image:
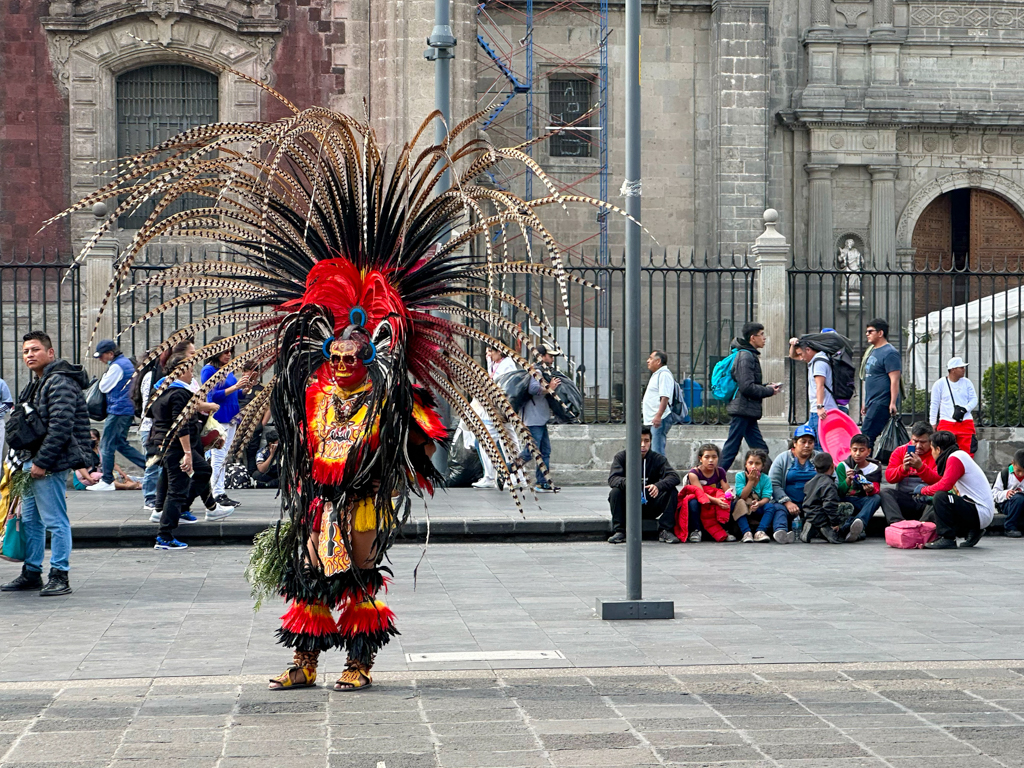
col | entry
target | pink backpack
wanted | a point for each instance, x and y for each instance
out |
(910, 534)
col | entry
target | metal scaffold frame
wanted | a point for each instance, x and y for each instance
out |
(513, 86)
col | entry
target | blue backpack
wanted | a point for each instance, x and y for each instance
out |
(723, 385)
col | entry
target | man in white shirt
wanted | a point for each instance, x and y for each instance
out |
(497, 365)
(953, 400)
(657, 400)
(819, 383)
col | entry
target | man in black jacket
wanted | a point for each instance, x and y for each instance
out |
(745, 409)
(185, 468)
(56, 393)
(659, 492)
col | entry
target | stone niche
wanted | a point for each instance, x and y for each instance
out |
(93, 42)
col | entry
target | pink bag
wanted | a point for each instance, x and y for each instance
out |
(910, 534)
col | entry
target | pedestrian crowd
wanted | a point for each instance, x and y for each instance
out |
(50, 448)
(834, 477)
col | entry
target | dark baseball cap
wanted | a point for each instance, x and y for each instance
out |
(107, 345)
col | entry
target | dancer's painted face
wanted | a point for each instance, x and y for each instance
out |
(349, 370)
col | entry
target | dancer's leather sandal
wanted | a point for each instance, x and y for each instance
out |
(356, 677)
(286, 680)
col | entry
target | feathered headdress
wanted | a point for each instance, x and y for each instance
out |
(334, 239)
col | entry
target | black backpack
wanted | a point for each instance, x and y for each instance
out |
(25, 427)
(844, 375)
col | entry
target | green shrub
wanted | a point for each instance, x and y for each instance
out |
(709, 414)
(1001, 394)
(917, 402)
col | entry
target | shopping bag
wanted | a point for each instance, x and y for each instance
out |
(893, 436)
(14, 540)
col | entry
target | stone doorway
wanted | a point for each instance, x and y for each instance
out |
(960, 236)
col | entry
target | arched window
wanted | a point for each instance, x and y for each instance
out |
(153, 104)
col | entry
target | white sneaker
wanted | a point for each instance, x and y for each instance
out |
(148, 508)
(748, 538)
(219, 512)
(484, 484)
(101, 486)
(694, 537)
(154, 516)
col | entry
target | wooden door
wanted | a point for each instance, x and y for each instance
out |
(933, 257)
(997, 234)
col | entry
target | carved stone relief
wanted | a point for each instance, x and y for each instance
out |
(851, 12)
(994, 16)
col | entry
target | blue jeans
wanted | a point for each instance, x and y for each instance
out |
(775, 517)
(812, 422)
(115, 439)
(45, 508)
(876, 416)
(1012, 508)
(543, 441)
(866, 506)
(659, 437)
(741, 428)
(151, 478)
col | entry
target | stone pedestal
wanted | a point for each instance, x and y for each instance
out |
(771, 254)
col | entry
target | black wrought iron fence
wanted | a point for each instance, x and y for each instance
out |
(693, 306)
(34, 295)
(934, 314)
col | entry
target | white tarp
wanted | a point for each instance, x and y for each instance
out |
(983, 332)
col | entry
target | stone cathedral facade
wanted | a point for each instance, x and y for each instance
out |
(895, 123)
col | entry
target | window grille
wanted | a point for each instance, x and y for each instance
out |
(568, 100)
(155, 103)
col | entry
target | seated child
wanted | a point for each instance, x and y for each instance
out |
(754, 494)
(859, 481)
(706, 497)
(83, 478)
(1008, 494)
(821, 507)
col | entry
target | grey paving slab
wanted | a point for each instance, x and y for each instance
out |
(189, 613)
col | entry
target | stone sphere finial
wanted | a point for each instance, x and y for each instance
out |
(771, 216)
(99, 210)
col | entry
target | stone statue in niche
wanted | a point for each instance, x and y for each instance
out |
(851, 262)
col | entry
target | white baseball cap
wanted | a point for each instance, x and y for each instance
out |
(955, 362)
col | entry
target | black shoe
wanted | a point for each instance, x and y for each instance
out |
(57, 584)
(224, 501)
(973, 537)
(856, 529)
(617, 538)
(1012, 534)
(831, 536)
(26, 581)
(667, 537)
(941, 544)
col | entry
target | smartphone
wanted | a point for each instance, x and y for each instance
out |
(911, 449)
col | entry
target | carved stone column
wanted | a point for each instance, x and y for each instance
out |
(771, 254)
(819, 221)
(883, 13)
(883, 215)
(819, 13)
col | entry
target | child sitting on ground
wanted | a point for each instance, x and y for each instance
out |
(821, 507)
(754, 494)
(707, 496)
(1008, 494)
(859, 480)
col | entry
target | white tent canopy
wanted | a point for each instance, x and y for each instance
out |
(983, 332)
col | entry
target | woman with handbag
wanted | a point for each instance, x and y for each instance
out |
(953, 400)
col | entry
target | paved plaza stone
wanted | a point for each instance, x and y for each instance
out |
(806, 655)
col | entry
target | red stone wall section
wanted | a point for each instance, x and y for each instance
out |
(33, 135)
(304, 63)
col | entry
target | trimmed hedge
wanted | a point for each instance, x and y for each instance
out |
(1001, 394)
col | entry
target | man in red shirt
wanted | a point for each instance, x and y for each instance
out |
(910, 467)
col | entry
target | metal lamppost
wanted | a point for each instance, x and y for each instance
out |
(634, 606)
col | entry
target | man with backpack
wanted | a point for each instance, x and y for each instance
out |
(830, 373)
(49, 433)
(745, 408)
(657, 402)
(116, 385)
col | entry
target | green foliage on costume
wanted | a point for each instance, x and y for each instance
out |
(267, 563)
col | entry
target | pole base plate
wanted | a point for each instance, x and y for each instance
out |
(634, 610)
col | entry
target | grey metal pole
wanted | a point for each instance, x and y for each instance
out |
(634, 478)
(441, 42)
